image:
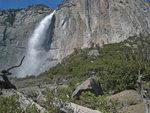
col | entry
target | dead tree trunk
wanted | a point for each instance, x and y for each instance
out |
(143, 93)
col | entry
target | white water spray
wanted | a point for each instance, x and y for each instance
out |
(36, 54)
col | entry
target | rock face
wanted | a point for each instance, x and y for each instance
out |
(91, 84)
(78, 24)
(16, 26)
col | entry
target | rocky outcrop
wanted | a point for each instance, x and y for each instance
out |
(138, 108)
(24, 102)
(81, 109)
(34, 93)
(94, 53)
(131, 101)
(91, 84)
(127, 97)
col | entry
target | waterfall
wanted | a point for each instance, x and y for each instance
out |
(36, 53)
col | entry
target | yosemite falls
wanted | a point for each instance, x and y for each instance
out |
(36, 53)
(75, 24)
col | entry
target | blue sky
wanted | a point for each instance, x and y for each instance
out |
(14, 4)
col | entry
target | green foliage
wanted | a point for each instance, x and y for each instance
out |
(100, 103)
(10, 104)
(116, 67)
(52, 109)
(32, 109)
(86, 99)
(50, 98)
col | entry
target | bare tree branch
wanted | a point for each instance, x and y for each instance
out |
(17, 65)
(6, 83)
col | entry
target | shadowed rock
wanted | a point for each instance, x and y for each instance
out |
(91, 84)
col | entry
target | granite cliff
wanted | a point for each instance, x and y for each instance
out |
(77, 24)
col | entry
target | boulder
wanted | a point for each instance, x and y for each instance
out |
(138, 108)
(35, 94)
(91, 84)
(24, 101)
(127, 97)
(93, 53)
(80, 109)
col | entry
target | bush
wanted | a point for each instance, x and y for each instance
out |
(100, 103)
(116, 67)
(10, 104)
(52, 98)
(32, 109)
(52, 109)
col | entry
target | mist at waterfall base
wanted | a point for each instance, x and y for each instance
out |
(36, 53)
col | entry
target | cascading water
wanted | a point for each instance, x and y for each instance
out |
(36, 54)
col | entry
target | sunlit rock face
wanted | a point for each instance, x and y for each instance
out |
(82, 22)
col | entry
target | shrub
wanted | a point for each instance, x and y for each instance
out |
(116, 67)
(100, 103)
(32, 109)
(10, 104)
